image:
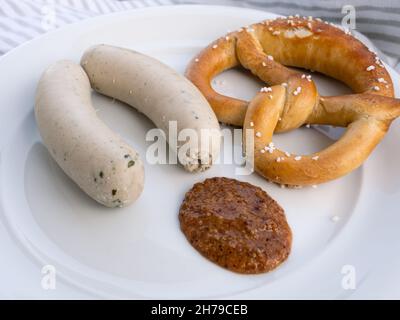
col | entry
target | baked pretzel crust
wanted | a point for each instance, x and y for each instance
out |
(268, 49)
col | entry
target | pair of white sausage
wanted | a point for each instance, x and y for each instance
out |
(90, 153)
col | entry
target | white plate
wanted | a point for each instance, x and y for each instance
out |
(139, 251)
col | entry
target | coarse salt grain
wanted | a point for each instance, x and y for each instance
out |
(315, 158)
(215, 46)
(264, 64)
(196, 60)
(251, 124)
(376, 88)
(287, 154)
(370, 68)
(297, 91)
(270, 150)
(258, 134)
(297, 158)
(266, 89)
(270, 57)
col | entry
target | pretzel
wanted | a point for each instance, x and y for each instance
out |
(266, 49)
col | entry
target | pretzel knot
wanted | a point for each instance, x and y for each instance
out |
(266, 49)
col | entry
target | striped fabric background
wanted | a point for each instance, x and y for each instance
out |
(22, 20)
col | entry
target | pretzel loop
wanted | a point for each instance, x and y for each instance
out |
(298, 107)
(293, 100)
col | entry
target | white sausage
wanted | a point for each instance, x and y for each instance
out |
(89, 152)
(159, 92)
